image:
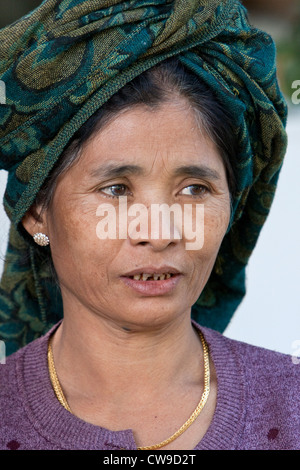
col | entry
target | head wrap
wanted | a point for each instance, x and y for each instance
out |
(62, 61)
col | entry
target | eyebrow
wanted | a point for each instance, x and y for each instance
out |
(197, 171)
(112, 170)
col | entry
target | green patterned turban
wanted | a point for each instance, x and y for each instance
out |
(62, 61)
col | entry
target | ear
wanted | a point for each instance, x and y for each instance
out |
(34, 221)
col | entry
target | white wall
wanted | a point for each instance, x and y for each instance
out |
(270, 314)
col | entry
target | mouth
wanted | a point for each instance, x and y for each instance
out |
(152, 281)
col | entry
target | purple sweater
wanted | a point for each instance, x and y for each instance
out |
(258, 404)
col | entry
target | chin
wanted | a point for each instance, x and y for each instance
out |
(152, 318)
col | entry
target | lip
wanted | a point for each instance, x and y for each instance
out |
(153, 288)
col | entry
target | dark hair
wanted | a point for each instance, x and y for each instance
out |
(157, 85)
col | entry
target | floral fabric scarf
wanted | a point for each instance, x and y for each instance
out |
(66, 58)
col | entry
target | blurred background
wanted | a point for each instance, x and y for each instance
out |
(270, 314)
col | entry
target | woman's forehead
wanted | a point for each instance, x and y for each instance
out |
(142, 138)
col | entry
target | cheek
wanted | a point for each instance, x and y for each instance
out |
(214, 227)
(74, 242)
(216, 220)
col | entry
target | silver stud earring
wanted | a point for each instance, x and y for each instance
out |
(41, 239)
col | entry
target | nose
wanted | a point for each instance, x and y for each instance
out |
(155, 225)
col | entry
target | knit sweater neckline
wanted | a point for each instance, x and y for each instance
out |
(64, 429)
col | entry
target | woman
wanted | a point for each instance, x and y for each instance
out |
(132, 106)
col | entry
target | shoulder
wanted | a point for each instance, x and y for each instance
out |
(14, 377)
(11, 372)
(265, 363)
(8, 372)
(14, 366)
(268, 383)
(255, 360)
(21, 379)
(11, 402)
(270, 376)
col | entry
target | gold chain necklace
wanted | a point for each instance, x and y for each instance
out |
(60, 395)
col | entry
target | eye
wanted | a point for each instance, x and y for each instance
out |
(196, 190)
(115, 190)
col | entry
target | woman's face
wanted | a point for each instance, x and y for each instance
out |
(153, 157)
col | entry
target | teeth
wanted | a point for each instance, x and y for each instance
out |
(156, 277)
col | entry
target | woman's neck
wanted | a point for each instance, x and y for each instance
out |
(92, 353)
